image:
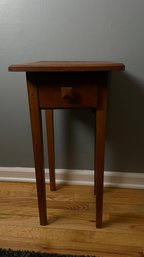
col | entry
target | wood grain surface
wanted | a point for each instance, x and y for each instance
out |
(67, 66)
(71, 221)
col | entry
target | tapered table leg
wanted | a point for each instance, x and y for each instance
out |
(50, 143)
(100, 151)
(36, 126)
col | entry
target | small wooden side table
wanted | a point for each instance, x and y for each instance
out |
(61, 85)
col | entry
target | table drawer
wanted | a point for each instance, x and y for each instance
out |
(67, 92)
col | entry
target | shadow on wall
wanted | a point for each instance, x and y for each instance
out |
(76, 140)
(125, 130)
(125, 133)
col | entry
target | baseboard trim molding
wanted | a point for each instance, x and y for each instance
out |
(75, 177)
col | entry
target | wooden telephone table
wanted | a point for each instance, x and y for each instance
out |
(62, 85)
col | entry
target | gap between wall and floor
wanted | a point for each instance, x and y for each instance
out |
(75, 177)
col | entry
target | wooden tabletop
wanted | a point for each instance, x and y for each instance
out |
(66, 66)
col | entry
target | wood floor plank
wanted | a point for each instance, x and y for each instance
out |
(71, 217)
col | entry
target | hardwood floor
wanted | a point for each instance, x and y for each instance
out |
(71, 217)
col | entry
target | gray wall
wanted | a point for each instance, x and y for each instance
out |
(74, 30)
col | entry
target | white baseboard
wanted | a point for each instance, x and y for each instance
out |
(75, 177)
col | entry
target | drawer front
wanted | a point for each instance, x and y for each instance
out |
(67, 93)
